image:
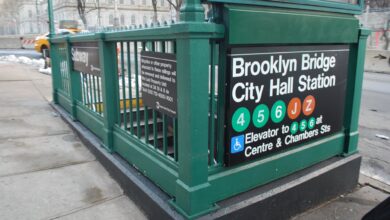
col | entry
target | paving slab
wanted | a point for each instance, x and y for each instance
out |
(43, 123)
(12, 91)
(352, 206)
(21, 72)
(366, 180)
(23, 155)
(51, 193)
(121, 208)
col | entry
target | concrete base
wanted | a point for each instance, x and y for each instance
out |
(280, 199)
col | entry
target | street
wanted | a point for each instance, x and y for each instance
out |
(30, 53)
(374, 122)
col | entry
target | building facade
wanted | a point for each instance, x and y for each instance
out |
(31, 17)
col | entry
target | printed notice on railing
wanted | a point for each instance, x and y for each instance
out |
(282, 97)
(158, 74)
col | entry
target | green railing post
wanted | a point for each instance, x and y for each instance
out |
(109, 71)
(53, 54)
(192, 88)
(192, 11)
(193, 59)
(75, 81)
(55, 71)
(354, 93)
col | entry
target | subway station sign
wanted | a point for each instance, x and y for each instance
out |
(283, 96)
(85, 57)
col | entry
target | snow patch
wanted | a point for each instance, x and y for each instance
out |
(36, 63)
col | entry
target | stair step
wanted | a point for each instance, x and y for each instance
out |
(133, 111)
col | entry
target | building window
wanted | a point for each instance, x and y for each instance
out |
(144, 2)
(111, 19)
(131, 2)
(122, 19)
(133, 19)
(29, 13)
(121, 2)
(162, 3)
(144, 20)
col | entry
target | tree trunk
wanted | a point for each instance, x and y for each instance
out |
(154, 3)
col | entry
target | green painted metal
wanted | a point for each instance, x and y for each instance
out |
(130, 91)
(354, 92)
(230, 181)
(109, 70)
(137, 87)
(313, 5)
(75, 86)
(154, 165)
(64, 101)
(277, 26)
(195, 176)
(192, 78)
(56, 71)
(92, 121)
(51, 18)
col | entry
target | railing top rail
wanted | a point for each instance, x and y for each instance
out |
(175, 31)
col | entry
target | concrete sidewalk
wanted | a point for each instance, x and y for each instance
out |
(45, 171)
(377, 61)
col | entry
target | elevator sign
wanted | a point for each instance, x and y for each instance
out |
(281, 97)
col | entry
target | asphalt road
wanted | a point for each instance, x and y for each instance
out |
(374, 121)
(30, 53)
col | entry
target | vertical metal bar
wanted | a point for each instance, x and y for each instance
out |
(212, 104)
(51, 18)
(176, 156)
(82, 87)
(165, 123)
(130, 87)
(86, 90)
(94, 92)
(117, 84)
(85, 85)
(155, 143)
(221, 102)
(155, 130)
(165, 139)
(99, 95)
(90, 92)
(163, 47)
(136, 86)
(146, 113)
(123, 87)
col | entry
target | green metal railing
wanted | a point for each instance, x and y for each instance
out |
(112, 107)
(64, 69)
(184, 155)
(91, 92)
(156, 130)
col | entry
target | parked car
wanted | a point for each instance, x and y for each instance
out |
(42, 42)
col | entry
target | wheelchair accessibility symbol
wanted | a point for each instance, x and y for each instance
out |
(237, 144)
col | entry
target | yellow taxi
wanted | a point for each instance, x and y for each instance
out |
(42, 42)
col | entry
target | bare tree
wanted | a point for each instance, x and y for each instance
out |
(176, 4)
(81, 4)
(154, 3)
